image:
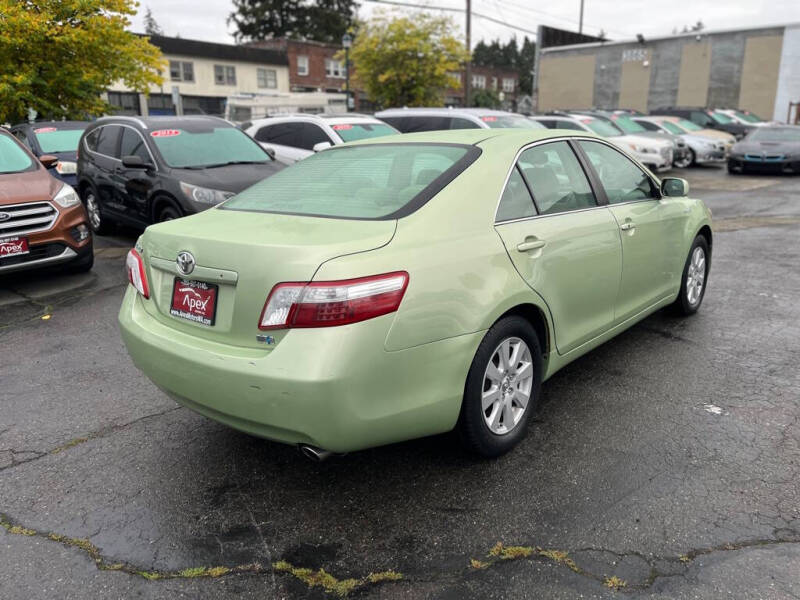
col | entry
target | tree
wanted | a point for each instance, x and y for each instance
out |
(525, 64)
(151, 26)
(487, 98)
(319, 20)
(58, 56)
(407, 61)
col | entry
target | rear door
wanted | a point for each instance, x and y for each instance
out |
(650, 229)
(133, 186)
(105, 157)
(562, 242)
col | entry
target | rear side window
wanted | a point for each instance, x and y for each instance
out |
(107, 142)
(556, 179)
(516, 201)
(622, 179)
(91, 139)
(362, 182)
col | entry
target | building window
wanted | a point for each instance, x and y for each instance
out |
(224, 75)
(267, 78)
(479, 82)
(509, 84)
(334, 68)
(302, 65)
(181, 71)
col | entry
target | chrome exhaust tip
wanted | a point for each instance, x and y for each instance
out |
(315, 454)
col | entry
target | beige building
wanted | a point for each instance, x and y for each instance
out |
(200, 76)
(750, 69)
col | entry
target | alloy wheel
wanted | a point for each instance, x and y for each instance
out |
(93, 211)
(507, 385)
(696, 276)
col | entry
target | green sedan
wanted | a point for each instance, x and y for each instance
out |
(409, 285)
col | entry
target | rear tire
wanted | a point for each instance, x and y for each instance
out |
(502, 388)
(694, 278)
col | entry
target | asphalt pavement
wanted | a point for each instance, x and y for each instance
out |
(664, 464)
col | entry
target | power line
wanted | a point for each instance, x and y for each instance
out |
(508, 3)
(456, 10)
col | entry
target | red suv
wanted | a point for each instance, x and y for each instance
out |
(42, 220)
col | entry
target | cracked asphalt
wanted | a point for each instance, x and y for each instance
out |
(665, 464)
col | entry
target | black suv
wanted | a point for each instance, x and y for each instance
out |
(143, 170)
(706, 118)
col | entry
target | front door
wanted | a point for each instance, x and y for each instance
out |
(133, 186)
(562, 242)
(650, 230)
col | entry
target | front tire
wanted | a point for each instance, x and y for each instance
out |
(502, 388)
(695, 275)
(97, 220)
(169, 213)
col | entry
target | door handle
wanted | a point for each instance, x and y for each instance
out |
(630, 225)
(531, 245)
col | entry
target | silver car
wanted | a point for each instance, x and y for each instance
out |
(705, 148)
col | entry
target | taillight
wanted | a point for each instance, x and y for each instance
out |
(331, 303)
(134, 265)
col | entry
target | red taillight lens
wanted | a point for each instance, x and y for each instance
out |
(331, 303)
(134, 265)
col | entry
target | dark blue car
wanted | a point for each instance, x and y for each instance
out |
(57, 138)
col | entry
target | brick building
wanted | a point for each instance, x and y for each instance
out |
(312, 65)
(488, 78)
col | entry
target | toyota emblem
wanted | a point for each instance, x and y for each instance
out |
(185, 262)
(4, 217)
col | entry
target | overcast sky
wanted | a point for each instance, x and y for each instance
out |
(621, 19)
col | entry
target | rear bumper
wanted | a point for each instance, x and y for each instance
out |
(335, 388)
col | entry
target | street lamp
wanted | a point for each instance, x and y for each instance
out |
(347, 41)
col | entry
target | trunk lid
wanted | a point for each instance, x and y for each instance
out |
(245, 254)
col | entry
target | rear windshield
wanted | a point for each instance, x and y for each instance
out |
(205, 148)
(349, 132)
(510, 122)
(357, 182)
(601, 127)
(689, 125)
(58, 140)
(775, 134)
(13, 159)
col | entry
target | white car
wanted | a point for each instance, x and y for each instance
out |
(294, 137)
(410, 120)
(705, 148)
(654, 153)
(745, 117)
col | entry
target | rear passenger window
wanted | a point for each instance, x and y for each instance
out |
(91, 139)
(107, 144)
(556, 178)
(516, 201)
(622, 180)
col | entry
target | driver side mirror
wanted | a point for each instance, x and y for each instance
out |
(48, 160)
(674, 187)
(321, 146)
(135, 162)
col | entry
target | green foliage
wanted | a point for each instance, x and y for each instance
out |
(487, 98)
(509, 56)
(151, 26)
(58, 56)
(320, 20)
(407, 61)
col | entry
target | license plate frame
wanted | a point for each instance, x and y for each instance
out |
(194, 295)
(14, 242)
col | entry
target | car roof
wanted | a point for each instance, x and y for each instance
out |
(318, 118)
(475, 112)
(159, 122)
(474, 137)
(56, 124)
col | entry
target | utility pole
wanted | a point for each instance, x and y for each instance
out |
(580, 20)
(468, 70)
